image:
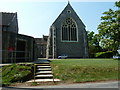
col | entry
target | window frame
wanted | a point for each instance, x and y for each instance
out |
(70, 31)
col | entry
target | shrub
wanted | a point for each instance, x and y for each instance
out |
(107, 54)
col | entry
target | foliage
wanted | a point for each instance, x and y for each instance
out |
(109, 29)
(93, 38)
(109, 32)
(93, 43)
(81, 70)
(15, 73)
(117, 3)
(107, 54)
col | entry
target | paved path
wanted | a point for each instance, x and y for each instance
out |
(37, 61)
(108, 84)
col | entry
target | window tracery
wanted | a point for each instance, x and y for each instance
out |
(69, 30)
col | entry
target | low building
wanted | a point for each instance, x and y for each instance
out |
(15, 47)
(41, 46)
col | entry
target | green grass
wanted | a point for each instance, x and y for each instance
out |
(15, 73)
(81, 70)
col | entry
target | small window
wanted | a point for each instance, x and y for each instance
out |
(68, 11)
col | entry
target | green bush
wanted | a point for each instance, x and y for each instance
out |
(107, 54)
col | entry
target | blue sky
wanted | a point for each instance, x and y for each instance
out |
(35, 18)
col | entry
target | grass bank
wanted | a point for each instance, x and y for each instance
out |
(16, 73)
(85, 70)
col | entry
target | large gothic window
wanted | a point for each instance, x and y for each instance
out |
(69, 30)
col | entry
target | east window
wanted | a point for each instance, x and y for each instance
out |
(69, 30)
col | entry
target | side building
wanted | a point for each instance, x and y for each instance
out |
(67, 36)
(41, 46)
(15, 47)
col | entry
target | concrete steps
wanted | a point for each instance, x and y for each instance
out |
(44, 66)
(45, 80)
(40, 76)
(43, 72)
(44, 69)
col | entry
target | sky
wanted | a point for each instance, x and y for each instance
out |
(36, 17)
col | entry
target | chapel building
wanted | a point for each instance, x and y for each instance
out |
(67, 36)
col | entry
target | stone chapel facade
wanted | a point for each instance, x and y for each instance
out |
(67, 36)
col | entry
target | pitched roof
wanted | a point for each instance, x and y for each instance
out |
(66, 10)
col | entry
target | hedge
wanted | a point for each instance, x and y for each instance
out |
(107, 54)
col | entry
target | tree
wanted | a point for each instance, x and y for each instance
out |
(109, 29)
(93, 43)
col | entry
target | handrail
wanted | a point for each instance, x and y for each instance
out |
(34, 71)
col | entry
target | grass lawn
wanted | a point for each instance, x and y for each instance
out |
(85, 70)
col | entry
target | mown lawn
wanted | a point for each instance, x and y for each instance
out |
(85, 70)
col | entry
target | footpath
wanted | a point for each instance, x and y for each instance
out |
(107, 85)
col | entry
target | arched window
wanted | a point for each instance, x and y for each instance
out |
(69, 30)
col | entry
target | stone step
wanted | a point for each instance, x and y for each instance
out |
(43, 66)
(43, 77)
(43, 63)
(44, 80)
(43, 69)
(43, 72)
(49, 75)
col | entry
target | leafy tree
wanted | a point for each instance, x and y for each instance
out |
(93, 43)
(109, 29)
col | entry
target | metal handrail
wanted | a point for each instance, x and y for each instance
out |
(34, 71)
